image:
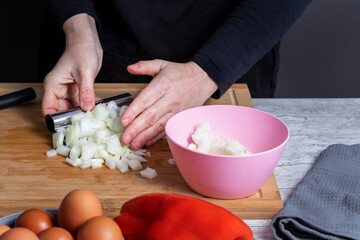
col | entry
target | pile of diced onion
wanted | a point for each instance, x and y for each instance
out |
(93, 139)
(202, 143)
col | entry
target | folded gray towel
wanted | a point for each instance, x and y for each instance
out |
(326, 203)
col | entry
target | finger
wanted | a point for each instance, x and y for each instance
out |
(147, 97)
(49, 102)
(86, 90)
(73, 95)
(146, 120)
(151, 133)
(155, 139)
(151, 67)
(63, 105)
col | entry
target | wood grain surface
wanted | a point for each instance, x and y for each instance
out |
(29, 179)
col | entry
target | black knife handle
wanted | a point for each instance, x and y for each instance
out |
(17, 97)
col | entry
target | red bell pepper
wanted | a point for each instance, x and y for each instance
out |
(160, 216)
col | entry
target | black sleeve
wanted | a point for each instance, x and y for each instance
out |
(250, 31)
(64, 9)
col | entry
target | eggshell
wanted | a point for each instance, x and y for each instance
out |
(19, 233)
(36, 220)
(78, 206)
(3, 229)
(55, 233)
(102, 227)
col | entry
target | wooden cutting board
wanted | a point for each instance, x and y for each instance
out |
(29, 179)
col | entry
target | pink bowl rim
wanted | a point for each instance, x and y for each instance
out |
(230, 156)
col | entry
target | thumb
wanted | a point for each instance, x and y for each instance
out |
(86, 92)
(151, 67)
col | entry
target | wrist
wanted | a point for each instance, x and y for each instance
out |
(80, 28)
(210, 84)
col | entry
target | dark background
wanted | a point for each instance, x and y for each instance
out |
(320, 55)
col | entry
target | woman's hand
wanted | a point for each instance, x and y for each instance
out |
(175, 87)
(71, 81)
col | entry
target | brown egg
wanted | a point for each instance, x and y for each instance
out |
(77, 207)
(36, 220)
(55, 233)
(19, 233)
(3, 229)
(97, 228)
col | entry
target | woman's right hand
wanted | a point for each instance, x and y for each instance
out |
(71, 82)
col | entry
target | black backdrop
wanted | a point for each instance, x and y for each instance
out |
(319, 56)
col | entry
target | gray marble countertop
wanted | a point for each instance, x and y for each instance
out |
(314, 124)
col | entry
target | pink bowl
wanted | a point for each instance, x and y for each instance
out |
(224, 176)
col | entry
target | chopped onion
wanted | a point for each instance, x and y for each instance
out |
(93, 139)
(51, 153)
(202, 143)
(100, 135)
(113, 145)
(58, 139)
(132, 155)
(100, 112)
(96, 162)
(110, 163)
(62, 130)
(134, 164)
(117, 127)
(75, 152)
(63, 150)
(204, 146)
(148, 173)
(74, 161)
(122, 165)
(85, 164)
(86, 127)
(192, 146)
(171, 161)
(76, 118)
(88, 151)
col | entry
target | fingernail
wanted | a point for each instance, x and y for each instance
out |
(127, 139)
(125, 122)
(86, 104)
(135, 66)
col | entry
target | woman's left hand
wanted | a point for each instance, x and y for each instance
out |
(175, 87)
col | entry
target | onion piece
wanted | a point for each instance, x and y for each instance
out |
(74, 161)
(110, 163)
(192, 146)
(62, 130)
(96, 162)
(204, 146)
(51, 153)
(88, 151)
(57, 139)
(85, 164)
(63, 150)
(171, 161)
(134, 164)
(100, 112)
(117, 127)
(122, 165)
(75, 152)
(113, 145)
(132, 155)
(149, 173)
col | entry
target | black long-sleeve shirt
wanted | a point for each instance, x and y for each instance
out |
(225, 38)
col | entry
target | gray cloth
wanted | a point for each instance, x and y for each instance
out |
(326, 203)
